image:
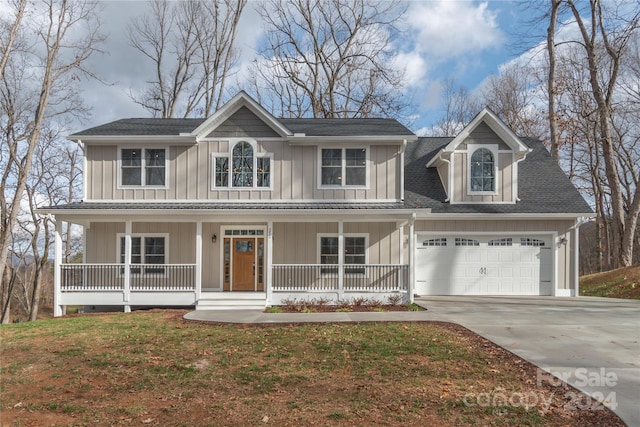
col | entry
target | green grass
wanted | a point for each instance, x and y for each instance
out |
(88, 370)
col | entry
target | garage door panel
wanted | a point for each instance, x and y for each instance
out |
(511, 266)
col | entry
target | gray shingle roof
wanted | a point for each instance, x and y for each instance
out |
(310, 127)
(542, 185)
(136, 127)
(226, 206)
(346, 127)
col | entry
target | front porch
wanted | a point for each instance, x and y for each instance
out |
(224, 262)
(176, 285)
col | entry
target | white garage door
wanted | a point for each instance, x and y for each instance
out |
(483, 265)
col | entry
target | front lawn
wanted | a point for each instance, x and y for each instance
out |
(154, 368)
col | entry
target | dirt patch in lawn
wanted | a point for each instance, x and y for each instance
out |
(153, 368)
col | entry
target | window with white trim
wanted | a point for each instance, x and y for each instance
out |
(143, 167)
(355, 253)
(482, 174)
(147, 250)
(343, 167)
(242, 167)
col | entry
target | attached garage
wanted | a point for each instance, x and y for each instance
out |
(484, 264)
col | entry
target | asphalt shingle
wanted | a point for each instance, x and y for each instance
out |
(542, 185)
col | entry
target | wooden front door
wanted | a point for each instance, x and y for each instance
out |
(244, 259)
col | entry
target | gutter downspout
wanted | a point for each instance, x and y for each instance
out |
(403, 148)
(449, 177)
(412, 258)
(515, 177)
(575, 237)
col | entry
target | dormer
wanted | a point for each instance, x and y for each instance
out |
(480, 165)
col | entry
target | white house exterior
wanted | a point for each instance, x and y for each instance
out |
(244, 210)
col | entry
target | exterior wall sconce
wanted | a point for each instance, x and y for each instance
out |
(214, 238)
(563, 241)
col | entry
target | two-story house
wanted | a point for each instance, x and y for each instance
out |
(243, 209)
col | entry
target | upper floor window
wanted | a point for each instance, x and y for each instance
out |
(143, 167)
(343, 167)
(483, 171)
(242, 168)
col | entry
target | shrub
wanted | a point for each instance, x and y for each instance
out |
(394, 299)
(360, 302)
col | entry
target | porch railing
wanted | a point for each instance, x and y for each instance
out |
(356, 278)
(110, 277)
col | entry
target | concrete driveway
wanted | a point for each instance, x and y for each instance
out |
(592, 343)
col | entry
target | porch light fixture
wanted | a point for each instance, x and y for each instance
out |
(214, 238)
(563, 241)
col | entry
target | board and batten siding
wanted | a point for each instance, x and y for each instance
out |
(102, 240)
(483, 134)
(561, 227)
(297, 243)
(294, 175)
(504, 180)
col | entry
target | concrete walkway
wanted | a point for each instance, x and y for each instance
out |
(592, 343)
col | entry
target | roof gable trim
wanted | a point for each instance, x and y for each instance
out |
(496, 124)
(242, 99)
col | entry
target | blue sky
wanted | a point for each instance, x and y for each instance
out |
(464, 39)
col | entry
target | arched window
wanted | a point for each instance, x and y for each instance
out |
(242, 164)
(483, 171)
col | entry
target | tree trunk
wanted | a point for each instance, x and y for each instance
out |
(603, 102)
(551, 87)
(8, 280)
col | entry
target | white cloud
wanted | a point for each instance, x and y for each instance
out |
(448, 29)
(414, 66)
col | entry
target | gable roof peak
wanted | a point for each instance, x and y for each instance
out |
(241, 99)
(491, 119)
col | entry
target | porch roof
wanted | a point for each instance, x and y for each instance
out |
(213, 206)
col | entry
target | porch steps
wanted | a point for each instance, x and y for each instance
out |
(232, 301)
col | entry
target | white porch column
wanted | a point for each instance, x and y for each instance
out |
(401, 252)
(412, 260)
(340, 259)
(198, 271)
(269, 267)
(127, 266)
(57, 292)
(401, 245)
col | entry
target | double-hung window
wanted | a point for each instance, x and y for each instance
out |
(146, 251)
(355, 254)
(143, 167)
(242, 168)
(341, 167)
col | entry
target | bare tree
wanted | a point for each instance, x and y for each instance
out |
(329, 58)
(6, 44)
(613, 37)
(511, 95)
(459, 109)
(192, 48)
(37, 85)
(551, 87)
